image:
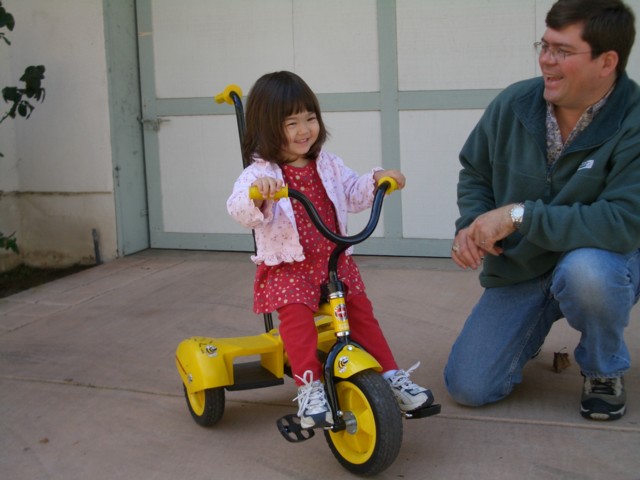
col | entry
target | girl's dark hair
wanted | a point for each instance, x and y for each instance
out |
(608, 25)
(273, 98)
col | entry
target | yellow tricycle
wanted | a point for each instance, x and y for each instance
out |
(367, 429)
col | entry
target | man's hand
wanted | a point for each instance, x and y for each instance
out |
(474, 242)
(465, 252)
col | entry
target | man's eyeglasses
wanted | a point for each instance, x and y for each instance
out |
(558, 54)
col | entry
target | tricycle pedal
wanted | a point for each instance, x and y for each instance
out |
(290, 428)
(423, 412)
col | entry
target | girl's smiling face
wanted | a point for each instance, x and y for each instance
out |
(301, 131)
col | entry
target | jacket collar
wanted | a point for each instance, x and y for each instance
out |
(531, 109)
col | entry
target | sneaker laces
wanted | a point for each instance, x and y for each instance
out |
(603, 386)
(401, 381)
(310, 396)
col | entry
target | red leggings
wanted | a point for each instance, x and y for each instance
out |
(298, 332)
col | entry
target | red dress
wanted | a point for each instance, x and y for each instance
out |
(299, 282)
(293, 289)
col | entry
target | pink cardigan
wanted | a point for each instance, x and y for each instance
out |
(274, 224)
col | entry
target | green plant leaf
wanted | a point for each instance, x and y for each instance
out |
(6, 19)
(9, 243)
(10, 94)
(23, 109)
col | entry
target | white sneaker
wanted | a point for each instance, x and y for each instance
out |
(313, 408)
(409, 395)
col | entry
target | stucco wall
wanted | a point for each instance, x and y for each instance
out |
(56, 174)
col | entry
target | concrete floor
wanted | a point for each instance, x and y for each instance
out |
(89, 390)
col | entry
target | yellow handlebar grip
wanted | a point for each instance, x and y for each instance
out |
(225, 96)
(254, 193)
(393, 185)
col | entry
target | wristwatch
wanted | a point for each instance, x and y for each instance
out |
(516, 213)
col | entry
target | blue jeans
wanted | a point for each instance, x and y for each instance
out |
(593, 289)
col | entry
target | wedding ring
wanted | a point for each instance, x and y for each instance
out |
(455, 248)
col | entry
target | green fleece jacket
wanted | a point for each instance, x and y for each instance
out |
(589, 198)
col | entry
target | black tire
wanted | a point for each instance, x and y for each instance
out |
(373, 444)
(207, 406)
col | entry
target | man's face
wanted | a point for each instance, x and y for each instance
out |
(575, 82)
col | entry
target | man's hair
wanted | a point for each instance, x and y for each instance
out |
(608, 25)
(273, 98)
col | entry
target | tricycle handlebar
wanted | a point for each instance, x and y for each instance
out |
(385, 185)
(254, 193)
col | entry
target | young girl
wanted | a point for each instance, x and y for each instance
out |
(283, 144)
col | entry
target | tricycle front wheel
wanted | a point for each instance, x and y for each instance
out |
(206, 406)
(371, 442)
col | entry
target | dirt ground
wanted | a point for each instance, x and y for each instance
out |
(24, 277)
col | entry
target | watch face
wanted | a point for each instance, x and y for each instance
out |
(517, 212)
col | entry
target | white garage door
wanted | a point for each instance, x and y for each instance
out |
(401, 83)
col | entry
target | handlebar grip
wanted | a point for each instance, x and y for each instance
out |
(225, 96)
(254, 193)
(393, 185)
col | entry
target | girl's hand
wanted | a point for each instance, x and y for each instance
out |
(268, 186)
(395, 174)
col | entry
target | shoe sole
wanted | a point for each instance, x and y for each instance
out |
(595, 415)
(310, 422)
(404, 407)
(322, 425)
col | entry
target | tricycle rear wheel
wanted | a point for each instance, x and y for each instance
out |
(371, 442)
(206, 406)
